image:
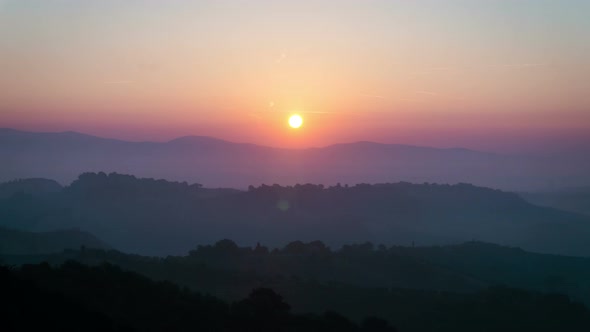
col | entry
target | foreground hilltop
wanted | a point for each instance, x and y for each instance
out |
(448, 288)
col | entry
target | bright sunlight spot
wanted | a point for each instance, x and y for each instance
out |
(295, 121)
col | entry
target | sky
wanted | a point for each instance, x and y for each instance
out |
(496, 75)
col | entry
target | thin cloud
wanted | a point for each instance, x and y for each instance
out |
(288, 112)
(373, 96)
(520, 65)
(438, 95)
(119, 82)
(451, 70)
(431, 70)
(429, 93)
(378, 96)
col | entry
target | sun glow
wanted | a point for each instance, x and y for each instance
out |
(295, 121)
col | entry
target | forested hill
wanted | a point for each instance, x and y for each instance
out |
(29, 186)
(409, 287)
(160, 217)
(13, 242)
(230, 271)
(75, 297)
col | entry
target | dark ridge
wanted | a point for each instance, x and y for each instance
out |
(14, 242)
(160, 217)
(29, 186)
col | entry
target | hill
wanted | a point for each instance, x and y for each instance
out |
(106, 298)
(570, 199)
(29, 186)
(298, 272)
(230, 272)
(159, 217)
(13, 242)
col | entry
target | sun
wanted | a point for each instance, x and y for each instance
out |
(295, 121)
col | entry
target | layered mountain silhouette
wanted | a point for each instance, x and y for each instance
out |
(160, 217)
(218, 163)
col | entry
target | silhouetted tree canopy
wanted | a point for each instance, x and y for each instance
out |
(75, 297)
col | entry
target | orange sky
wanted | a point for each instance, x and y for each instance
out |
(401, 72)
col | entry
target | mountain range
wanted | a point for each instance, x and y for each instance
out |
(218, 163)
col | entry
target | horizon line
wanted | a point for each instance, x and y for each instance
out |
(245, 143)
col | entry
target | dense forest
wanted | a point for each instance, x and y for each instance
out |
(158, 217)
(247, 300)
(135, 254)
(74, 297)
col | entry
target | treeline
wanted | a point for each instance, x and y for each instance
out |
(469, 266)
(113, 185)
(29, 186)
(96, 185)
(157, 217)
(75, 297)
(120, 300)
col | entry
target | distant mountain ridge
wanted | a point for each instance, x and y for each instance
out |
(218, 163)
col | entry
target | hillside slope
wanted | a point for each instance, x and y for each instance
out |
(160, 217)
